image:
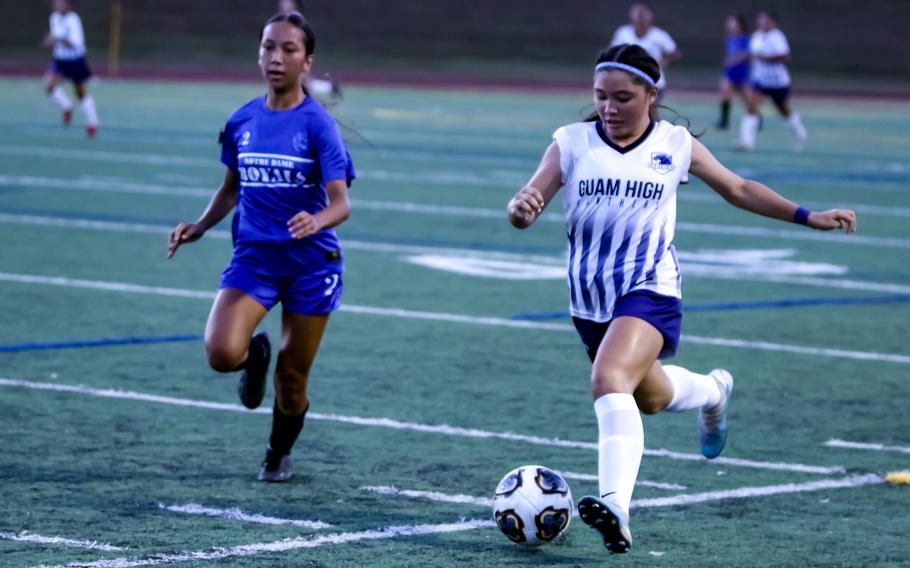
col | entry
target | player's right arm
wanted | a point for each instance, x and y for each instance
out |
(530, 201)
(221, 204)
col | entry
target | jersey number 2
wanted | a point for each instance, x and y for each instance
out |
(332, 281)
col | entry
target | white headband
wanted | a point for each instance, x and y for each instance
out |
(615, 65)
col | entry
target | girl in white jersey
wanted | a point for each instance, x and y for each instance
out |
(769, 51)
(621, 171)
(67, 38)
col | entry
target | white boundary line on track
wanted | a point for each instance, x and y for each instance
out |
(443, 429)
(641, 482)
(281, 545)
(458, 318)
(835, 443)
(676, 500)
(140, 228)
(235, 514)
(25, 536)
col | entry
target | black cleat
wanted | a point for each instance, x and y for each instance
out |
(275, 468)
(252, 383)
(609, 521)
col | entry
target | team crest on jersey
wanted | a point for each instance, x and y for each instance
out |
(299, 142)
(661, 162)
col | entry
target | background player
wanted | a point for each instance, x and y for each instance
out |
(621, 173)
(657, 42)
(736, 68)
(326, 91)
(67, 38)
(769, 50)
(287, 173)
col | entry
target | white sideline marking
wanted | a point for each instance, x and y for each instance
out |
(398, 425)
(688, 499)
(236, 514)
(642, 482)
(25, 536)
(835, 443)
(281, 545)
(431, 495)
(457, 318)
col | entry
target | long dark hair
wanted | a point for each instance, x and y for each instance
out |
(297, 20)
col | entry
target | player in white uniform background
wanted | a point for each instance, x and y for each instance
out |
(620, 172)
(769, 51)
(657, 42)
(326, 91)
(67, 38)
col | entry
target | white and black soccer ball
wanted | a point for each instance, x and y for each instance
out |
(533, 505)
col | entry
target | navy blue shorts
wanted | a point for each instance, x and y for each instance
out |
(777, 94)
(76, 70)
(738, 75)
(270, 275)
(663, 312)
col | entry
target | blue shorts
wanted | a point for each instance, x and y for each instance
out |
(738, 75)
(663, 312)
(76, 70)
(270, 274)
(777, 94)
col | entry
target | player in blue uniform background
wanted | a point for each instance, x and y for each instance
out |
(736, 68)
(288, 174)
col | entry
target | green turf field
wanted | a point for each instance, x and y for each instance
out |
(425, 372)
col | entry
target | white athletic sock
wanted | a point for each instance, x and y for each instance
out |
(796, 125)
(61, 99)
(620, 447)
(748, 129)
(691, 390)
(88, 107)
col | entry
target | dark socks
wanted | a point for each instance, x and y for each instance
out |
(285, 430)
(724, 115)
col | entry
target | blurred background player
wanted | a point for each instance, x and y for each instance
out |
(287, 172)
(769, 51)
(326, 91)
(736, 68)
(621, 170)
(657, 42)
(67, 39)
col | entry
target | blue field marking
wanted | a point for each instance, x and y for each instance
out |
(732, 306)
(103, 342)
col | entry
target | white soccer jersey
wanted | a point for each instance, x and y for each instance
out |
(68, 27)
(656, 42)
(620, 206)
(772, 43)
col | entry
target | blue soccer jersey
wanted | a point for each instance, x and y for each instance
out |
(284, 160)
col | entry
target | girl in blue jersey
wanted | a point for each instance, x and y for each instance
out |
(287, 174)
(621, 172)
(736, 68)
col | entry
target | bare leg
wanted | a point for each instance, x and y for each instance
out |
(232, 321)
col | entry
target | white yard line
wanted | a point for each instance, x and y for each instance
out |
(835, 443)
(25, 536)
(641, 482)
(243, 550)
(457, 318)
(443, 429)
(431, 495)
(235, 514)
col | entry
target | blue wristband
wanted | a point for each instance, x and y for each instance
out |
(801, 216)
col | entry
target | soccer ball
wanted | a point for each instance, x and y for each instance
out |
(533, 505)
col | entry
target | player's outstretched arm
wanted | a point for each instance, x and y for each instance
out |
(220, 205)
(532, 199)
(761, 199)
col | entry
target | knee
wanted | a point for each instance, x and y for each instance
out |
(609, 381)
(224, 358)
(290, 392)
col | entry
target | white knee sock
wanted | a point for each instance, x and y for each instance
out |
(691, 390)
(88, 107)
(621, 445)
(61, 99)
(796, 125)
(748, 129)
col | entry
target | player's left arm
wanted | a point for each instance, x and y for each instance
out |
(759, 198)
(304, 224)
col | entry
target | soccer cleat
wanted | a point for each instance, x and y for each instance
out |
(252, 382)
(275, 468)
(609, 520)
(712, 423)
(91, 131)
(67, 117)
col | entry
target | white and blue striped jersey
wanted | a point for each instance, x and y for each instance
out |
(67, 27)
(620, 206)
